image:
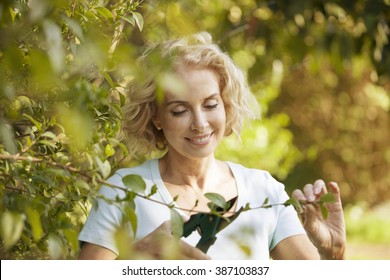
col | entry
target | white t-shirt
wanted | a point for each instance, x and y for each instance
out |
(258, 230)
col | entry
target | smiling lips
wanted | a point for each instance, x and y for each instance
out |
(200, 140)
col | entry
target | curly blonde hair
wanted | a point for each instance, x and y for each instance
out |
(138, 130)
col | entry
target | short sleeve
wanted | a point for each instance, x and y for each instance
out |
(288, 223)
(103, 220)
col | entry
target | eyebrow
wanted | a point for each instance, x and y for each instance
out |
(185, 102)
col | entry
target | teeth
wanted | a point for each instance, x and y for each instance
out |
(200, 140)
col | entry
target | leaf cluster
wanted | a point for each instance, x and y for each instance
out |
(61, 98)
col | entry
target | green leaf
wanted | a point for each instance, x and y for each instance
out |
(104, 167)
(124, 242)
(152, 191)
(139, 20)
(7, 137)
(49, 134)
(12, 225)
(290, 201)
(134, 183)
(131, 216)
(78, 125)
(12, 13)
(72, 238)
(122, 95)
(109, 79)
(118, 109)
(54, 44)
(80, 184)
(104, 12)
(47, 143)
(295, 203)
(124, 149)
(176, 224)
(217, 200)
(55, 246)
(129, 198)
(34, 121)
(327, 198)
(130, 20)
(324, 211)
(109, 150)
(57, 172)
(35, 222)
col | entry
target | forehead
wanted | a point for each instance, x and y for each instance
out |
(190, 81)
(193, 71)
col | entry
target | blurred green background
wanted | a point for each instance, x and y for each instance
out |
(319, 69)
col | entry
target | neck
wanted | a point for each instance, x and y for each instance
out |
(188, 172)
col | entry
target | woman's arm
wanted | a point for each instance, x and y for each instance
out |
(91, 251)
(151, 246)
(297, 247)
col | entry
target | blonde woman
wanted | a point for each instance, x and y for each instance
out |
(189, 124)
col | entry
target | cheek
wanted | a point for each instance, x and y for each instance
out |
(222, 123)
(222, 118)
(175, 125)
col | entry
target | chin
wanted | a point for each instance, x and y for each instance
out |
(198, 155)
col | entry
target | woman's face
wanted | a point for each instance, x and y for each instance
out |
(193, 121)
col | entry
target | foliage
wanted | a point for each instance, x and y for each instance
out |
(60, 115)
(319, 69)
(342, 131)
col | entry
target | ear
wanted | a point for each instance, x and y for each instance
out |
(156, 123)
(155, 118)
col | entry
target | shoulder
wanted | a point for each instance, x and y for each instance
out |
(256, 181)
(143, 170)
(115, 185)
(251, 174)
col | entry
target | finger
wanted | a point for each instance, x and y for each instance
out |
(298, 195)
(335, 190)
(309, 192)
(319, 188)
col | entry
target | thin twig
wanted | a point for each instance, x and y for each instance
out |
(104, 182)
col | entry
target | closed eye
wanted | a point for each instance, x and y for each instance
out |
(212, 107)
(178, 113)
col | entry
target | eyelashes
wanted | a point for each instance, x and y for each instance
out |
(212, 107)
(181, 112)
(176, 114)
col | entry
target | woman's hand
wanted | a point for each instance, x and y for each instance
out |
(328, 235)
(160, 244)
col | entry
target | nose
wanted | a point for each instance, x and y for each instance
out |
(199, 122)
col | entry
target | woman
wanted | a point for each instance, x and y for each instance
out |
(209, 101)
